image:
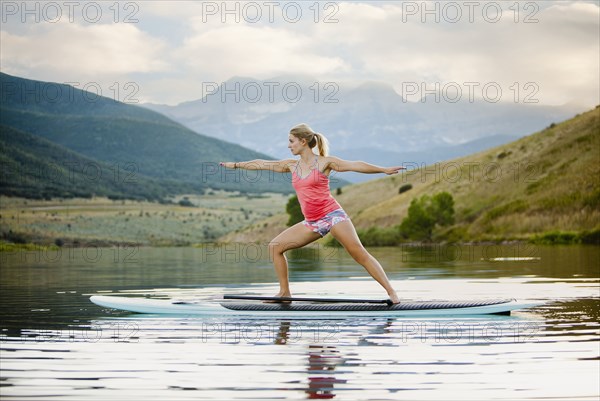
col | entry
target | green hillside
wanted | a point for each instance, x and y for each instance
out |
(537, 186)
(36, 168)
(107, 131)
(60, 99)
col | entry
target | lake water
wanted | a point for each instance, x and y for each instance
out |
(56, 345)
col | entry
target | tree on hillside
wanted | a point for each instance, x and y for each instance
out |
(294, 210)
(442, 208)
(425, 213)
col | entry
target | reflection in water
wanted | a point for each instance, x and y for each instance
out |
(283, 334)
(383, 329)
(322, 362)
(55, 344)
(353, 359)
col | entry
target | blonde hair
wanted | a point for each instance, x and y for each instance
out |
(312, 138)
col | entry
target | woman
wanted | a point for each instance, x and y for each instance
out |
(322, 213)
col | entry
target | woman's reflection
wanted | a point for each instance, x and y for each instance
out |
(322, 359)
(322, 362)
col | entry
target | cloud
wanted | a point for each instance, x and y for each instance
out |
(259, 52)
(558, 53)
(70, 50)
(178, 43)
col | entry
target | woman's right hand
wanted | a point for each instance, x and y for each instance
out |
(227, 164)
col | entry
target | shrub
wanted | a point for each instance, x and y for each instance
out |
(418, 224)
(376, 236)
(404, 188)
(14, 237)
(186, 202)
(591, 237)
(567, 238)
(556, 238)
(294, 210)
(425, 213)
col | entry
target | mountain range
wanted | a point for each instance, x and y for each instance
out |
(368, 121)
(127, 151)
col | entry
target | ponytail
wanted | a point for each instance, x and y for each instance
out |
(312, 138)
(322, 144)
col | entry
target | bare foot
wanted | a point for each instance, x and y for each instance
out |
(280, 295)
(394, 297)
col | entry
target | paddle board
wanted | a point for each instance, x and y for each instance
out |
(309, 309)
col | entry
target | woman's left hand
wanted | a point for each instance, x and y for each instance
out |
(393, 170)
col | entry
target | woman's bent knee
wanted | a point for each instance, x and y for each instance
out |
(280, 247)
(360, 255)
(275, 247)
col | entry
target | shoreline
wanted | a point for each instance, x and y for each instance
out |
(8, 247)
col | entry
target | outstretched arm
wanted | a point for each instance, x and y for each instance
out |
(340, 165)
(278, 166)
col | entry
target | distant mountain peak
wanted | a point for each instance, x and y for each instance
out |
(376, 85)
(377, 89)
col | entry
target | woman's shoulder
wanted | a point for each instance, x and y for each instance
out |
(327, 160)
(328, 163)
(289, 163)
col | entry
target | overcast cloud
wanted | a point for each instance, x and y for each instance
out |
(170, 48)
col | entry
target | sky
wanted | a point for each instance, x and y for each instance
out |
(167, 52)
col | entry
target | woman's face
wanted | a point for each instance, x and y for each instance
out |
(295, 145)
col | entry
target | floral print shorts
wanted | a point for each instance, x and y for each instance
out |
(324, 225)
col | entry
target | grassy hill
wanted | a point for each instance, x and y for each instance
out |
(36, 168)
(548, 181)
(543, 186)
(111, 132)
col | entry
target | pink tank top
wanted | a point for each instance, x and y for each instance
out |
(314, 194)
